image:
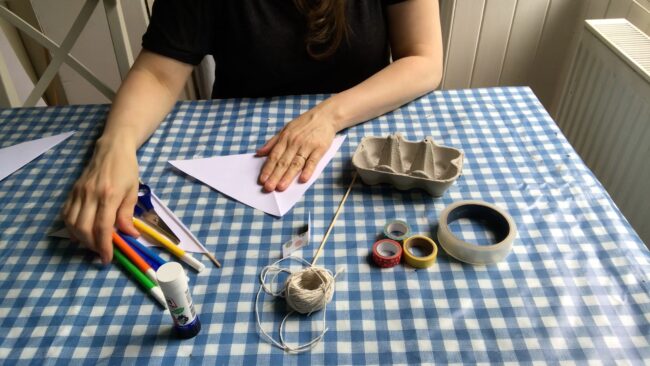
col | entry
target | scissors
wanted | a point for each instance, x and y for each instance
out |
(144, 210)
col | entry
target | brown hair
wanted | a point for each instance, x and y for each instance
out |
(326, 26)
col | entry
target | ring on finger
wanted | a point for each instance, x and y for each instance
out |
(299, 160)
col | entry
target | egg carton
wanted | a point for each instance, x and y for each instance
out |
(408, 164)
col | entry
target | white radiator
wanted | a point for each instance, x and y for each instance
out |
(605, 113)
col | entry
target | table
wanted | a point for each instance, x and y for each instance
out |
(575, 287)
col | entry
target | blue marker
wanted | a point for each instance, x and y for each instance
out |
(147, 254)
(152, 263)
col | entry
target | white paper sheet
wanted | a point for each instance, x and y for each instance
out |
(236, 176)
(15, 157)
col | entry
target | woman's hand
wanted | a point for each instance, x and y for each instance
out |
(416, 48)
(298, 147)
(104, 197)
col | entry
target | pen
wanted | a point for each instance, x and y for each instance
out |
(175, 250)
(134, 257)
(151, 287)
(154, 259)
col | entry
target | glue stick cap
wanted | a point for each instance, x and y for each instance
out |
(173, 283)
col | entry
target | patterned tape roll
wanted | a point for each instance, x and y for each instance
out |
(427, 246)
(397, 230)
(500, 222)
(386, 253)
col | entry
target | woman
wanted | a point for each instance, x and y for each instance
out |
(261, 48)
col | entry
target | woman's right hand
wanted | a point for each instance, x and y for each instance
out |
(103, 197)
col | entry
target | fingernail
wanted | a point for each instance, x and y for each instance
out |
(264, 177)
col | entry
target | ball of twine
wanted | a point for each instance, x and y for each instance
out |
(305, 291)
(309, 289)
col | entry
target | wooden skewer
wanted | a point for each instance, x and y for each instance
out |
(212, 258)
(336, 215)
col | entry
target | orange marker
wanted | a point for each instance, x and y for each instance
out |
(134, 257)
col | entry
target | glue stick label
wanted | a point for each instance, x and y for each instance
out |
(181, 308)
(173, 283)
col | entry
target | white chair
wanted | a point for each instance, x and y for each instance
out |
(61, 53)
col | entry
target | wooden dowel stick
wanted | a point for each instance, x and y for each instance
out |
(212, 258)
(336, 215)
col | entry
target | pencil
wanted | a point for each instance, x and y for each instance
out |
(173, 248)
(155, 260)
(151, 287)
(134, 257)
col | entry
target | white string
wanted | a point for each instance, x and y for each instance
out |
(306, 300)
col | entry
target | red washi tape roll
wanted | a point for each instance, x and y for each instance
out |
(386, 253)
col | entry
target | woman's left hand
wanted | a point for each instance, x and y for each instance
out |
(297, 148)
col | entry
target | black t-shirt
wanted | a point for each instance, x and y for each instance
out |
(259, 45)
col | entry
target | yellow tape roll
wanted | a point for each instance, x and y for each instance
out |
(426, 245)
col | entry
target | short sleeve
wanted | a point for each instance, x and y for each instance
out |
(392, 2)
(181, 29)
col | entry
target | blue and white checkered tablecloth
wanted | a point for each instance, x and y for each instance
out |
(575, 287)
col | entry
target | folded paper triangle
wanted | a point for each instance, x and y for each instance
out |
(236, 176)
(15, 157)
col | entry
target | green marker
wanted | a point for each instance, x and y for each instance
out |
(153, 289)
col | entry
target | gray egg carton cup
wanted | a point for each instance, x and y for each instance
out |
(408, 164)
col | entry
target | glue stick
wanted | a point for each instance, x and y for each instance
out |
(173, 283)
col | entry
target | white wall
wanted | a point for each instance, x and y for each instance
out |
(522, 42)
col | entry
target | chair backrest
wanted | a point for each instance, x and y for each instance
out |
(61, 53)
